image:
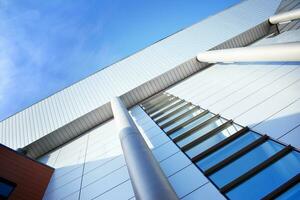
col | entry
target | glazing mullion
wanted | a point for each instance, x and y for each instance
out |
(161, 105)
(220, 145)
(236, 155)
(182, 115)
(245, 163)
(282, 189)
(187, 122)
(195, 128)
(185, 119)
(210, 125)
(174, 109)
(256, 169)
(206, 136)
(173, 113)
(153, 102)
(226, 151)
(268, 179)
(166, 109)
(152, 98)
(157, 102)
(213, 140)
(231, 156)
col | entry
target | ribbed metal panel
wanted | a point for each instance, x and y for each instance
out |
(136, 95)
(134, 78)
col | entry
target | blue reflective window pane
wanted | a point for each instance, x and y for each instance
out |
(182, 120)
(201, 132)
(171, 110)
(268, 179)
(175, 115)
(245, 163)
(292, 194)
(227, 150)
(218, 137)
(5, 189)
(191, 125)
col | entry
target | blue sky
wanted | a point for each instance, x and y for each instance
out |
(48, 45)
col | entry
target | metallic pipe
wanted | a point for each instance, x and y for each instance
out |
(285, 52)
(146, 176)
(285, 17)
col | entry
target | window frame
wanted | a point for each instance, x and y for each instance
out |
(9, 183)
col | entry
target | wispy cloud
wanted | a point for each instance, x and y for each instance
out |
(17, 55)
(43, 51)
(48, 45)
(7, 69)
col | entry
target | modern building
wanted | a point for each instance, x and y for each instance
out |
(211, 112)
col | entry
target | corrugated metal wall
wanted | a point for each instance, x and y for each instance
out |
(61, 109)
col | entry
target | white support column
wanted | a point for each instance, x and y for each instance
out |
(285, 17)
(148, 180)
(286, 52)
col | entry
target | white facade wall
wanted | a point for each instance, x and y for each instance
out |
(90, 167)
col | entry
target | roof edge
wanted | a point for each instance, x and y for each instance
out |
(164, 81)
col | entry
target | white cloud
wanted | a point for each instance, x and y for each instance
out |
(7, 69)
(17, 54)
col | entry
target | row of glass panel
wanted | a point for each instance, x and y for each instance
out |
(197, 131)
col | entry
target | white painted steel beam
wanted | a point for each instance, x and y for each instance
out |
(286, 52)
(285, 17)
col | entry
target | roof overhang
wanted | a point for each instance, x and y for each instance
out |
(103, 113)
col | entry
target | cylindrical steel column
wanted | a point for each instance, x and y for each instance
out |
(285, 17)
(283, 52)
(149, 182)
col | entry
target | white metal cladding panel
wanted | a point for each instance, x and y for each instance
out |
(94, 160)
(264, 97)
(96, 90)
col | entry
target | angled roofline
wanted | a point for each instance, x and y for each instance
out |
(121, 59)
(104, 113)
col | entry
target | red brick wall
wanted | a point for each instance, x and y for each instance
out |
(30, 176)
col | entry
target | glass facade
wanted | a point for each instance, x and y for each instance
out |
(241, 163)
(182, 120)
(183, 129)
(179, 112)
(218, 137)
(245, 163)
(292, 194)
(203, 130)
(268, 179)
(227, 150)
